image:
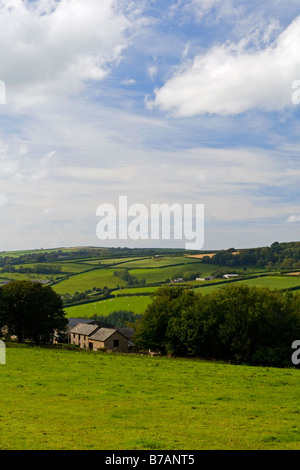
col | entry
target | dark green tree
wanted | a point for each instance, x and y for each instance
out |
(31, 311)
(150, 330)
(257, 326)
(237, 323)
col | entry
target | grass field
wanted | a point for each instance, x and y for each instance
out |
(135, 290)
(87, 280)
(161, 262)
(105, 277)
(274, 282)
(84, 274)
(55, 399)
(136, 304)
(271, 282)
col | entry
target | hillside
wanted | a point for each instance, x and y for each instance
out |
(72, 400)
(98, 281)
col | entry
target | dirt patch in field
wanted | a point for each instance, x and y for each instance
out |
(202, 256)
(209, 254)
(294, 274)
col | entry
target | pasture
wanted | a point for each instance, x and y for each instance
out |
(82, 274)
(87, 280)
(271, 282)
(135, 304)
(55, 399)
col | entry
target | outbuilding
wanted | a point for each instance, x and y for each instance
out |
(109, 339)
(80, 334)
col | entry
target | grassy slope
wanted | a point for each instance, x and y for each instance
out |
(152, 269)
(88, 280)
(272, 282)
(54, 399)
(136, 304)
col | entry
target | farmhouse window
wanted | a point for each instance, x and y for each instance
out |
(116, 343)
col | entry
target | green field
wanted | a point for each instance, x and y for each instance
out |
(67, 400)
(160, 262)
(271, 282)
(136, 304)
(274, 282)
(84, 274)
(134, 290)
(87, 280)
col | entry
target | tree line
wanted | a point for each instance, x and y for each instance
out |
(238, 323)
(283, 256)
(37, 269)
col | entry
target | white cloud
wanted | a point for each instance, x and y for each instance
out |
(293, 218)
(49, 48)
(128, 81)
(18, 163)
(152, 71)
(231, 79)
(202, 7)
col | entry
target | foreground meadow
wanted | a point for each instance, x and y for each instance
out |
(59, 399)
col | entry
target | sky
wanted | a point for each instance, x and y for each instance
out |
(164, 102)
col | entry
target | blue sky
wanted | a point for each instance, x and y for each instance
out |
(162, 101)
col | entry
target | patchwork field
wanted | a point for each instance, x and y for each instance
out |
(80, 274)
(65, 400)
(271, 282)
(87, 280)
(74, 399)
(136, 304)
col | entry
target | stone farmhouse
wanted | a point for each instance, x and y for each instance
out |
(95, 337)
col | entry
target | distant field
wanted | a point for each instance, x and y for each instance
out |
(134, 290)
(105, 277)
(162, 274)
(160, 262)
(112, 261)
(21, 276)
(65, 400)
(73, 267)
(66, 267)
(41, 251)
(82, 282)
(272, 282)
(136, 304)
(210, 255)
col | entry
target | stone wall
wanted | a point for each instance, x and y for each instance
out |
(116, 342)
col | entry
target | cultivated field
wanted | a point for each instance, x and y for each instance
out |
(56, 399)
(86, 273)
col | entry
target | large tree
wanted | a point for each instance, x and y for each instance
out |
(31, 311)
(238, 323)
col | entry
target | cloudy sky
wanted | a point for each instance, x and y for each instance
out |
(174, 101)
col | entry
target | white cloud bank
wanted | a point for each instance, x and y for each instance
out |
(50, 48)
(231, 79)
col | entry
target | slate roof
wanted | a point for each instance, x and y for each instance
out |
(72, 321)
(102, 334)
(126, 331)
(84, 329)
